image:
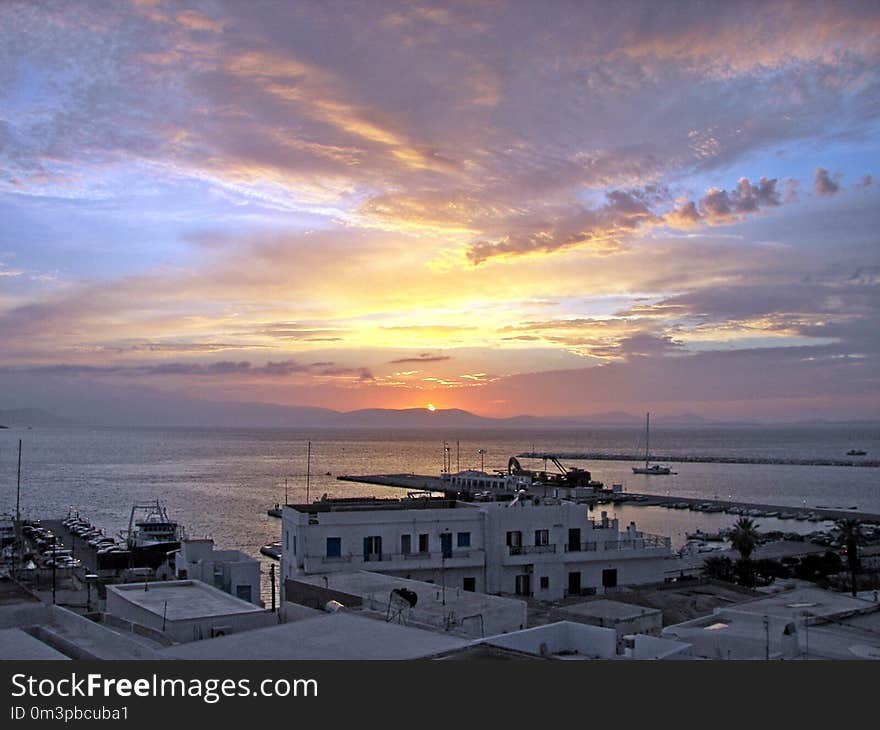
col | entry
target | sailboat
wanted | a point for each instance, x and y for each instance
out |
(650, 468)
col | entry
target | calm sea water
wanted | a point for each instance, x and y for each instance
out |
(220, 482)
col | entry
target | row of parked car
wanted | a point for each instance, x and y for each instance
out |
(94, 536)
(52, 552)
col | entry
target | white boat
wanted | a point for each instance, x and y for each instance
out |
(650, 468)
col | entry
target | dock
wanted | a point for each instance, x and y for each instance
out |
(422, 482)
(697, 459)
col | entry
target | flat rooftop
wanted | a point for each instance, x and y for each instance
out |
(185, 599)
(375, 589)
(328, 636)
(608, 610)
(814, 601)
(18, 644)
(355, 504)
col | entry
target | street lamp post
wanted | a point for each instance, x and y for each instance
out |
(482, 453)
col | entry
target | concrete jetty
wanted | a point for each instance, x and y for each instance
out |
(421, 482)
(696, 459)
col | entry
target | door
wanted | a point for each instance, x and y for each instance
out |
(574, 540)
(446, 544)
(609, 578)
(574, 583)
(372, 548)
(524, 585)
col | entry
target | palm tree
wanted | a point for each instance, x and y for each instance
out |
(744, 537)
(850, 534)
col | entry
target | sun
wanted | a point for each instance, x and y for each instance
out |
(431, 407)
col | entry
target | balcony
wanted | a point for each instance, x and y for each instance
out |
(531, 549)
(645, 542)
(580, 547)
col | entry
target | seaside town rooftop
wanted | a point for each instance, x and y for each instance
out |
(181, 599)
(355, 504)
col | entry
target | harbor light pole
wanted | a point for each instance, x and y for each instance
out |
(18, 487)
(766, 638)
(482, 453)
(54, 562)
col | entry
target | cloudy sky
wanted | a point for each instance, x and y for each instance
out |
(507, 206)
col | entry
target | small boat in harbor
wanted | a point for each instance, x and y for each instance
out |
(272, 550)
(706, 536)
(649, 468)
(856, 452)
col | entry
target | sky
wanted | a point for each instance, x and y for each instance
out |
(553, 208)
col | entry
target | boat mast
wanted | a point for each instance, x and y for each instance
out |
(308, 469)
(647, 439)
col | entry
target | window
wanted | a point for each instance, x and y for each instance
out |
(294, 544)
(243, 592)
(514, 539)
(545, 582)
(334, 547)
(469, 584)
(464, 539)
(406, 544)
(423, 542)
(542, 537)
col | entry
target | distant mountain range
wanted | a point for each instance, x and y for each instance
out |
(31, 417)
(167, 411)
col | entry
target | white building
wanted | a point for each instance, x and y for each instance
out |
(436, 607)
(185, 610)
(544, 548)
(231, 571)
(568, 641)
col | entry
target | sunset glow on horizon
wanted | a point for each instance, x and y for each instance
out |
(516, 207)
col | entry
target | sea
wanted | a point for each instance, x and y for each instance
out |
(220, 482)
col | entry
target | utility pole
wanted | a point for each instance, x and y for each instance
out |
(272, 583)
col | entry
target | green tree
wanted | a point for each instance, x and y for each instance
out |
(850, 534)
(744, 537)
(718, 567)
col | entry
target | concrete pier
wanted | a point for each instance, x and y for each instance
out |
(423, 482)
(706, 459)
